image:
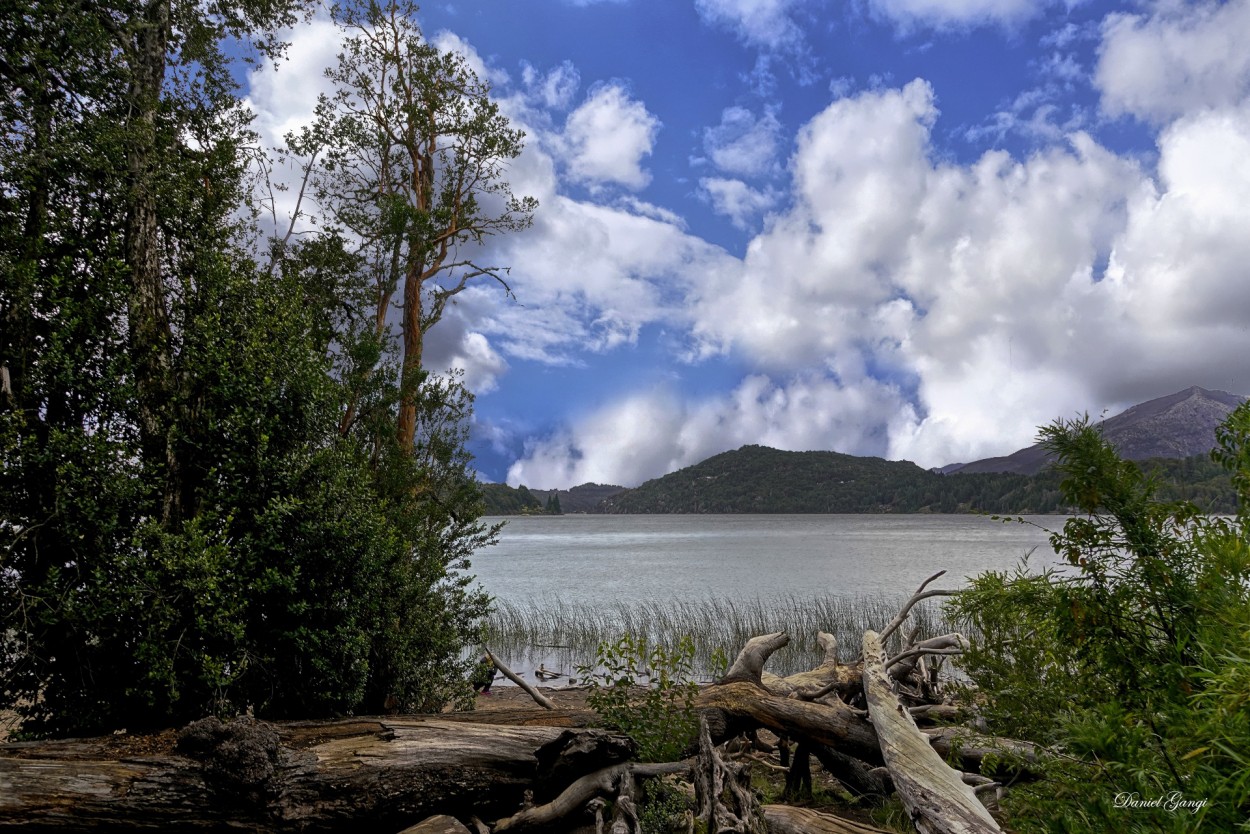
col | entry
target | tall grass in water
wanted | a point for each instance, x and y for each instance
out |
(564, 635)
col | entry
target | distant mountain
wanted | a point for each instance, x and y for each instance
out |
(583, 498)
(502, 499)
(1179, 425)
(756, 479)
(1170, 436)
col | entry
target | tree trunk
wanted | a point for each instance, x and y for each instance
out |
(738, 703)
(934, 795)
(347, 775)
(784, 819)
(147, 306)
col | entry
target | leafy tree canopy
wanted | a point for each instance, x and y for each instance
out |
(204, 502)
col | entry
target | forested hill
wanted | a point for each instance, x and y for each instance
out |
(502, 499)
(757, 479)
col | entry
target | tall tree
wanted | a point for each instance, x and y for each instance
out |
(408, 160)
(183, 528)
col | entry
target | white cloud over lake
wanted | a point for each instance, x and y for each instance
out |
(890, 300)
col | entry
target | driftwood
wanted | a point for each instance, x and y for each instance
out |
(738, 704)
(530, 768)
(375, 774)
(580, 793)
(539, 698)
(723, 796)
(785, 819)
(934, 795)
(828, 678)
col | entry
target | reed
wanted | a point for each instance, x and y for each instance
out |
(564, 634)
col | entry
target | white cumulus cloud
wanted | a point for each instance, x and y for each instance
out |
(742, 144)
(1179, 58)
(735, 199)
(956, 13)
(555, 88)
(763, 23)
(607, 136)
(650, 433)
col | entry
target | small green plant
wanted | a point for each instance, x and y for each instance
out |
(659, 715)
(663, 808)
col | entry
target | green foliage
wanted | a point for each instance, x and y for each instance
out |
(502, 499)
(663, 808)
(660, 717)
(756, 479)
(212, 513)
(1133, 660)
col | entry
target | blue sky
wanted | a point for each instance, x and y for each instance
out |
(908, 228)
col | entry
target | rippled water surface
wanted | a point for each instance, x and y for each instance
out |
(636, 558)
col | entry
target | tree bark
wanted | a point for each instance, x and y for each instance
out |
(934, 795)
(148, 308)
(353, 774)
(578, 794)
(784, 819)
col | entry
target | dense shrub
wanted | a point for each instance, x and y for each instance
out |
(1132, 661)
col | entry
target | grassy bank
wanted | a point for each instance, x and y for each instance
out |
(563, 634)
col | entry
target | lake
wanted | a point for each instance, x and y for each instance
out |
(563, 584)
(634, 558)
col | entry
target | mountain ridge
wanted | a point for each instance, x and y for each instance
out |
(1178, 425)
(1170, 435)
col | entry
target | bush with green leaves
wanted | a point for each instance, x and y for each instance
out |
(205, 505)
(660, 715)
(1131, 662)
(663, 807)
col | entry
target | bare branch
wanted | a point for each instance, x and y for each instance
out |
(539, 698)
(921, 594)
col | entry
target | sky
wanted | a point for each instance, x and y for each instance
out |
(914, 229)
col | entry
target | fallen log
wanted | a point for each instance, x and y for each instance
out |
(355, 774)
(539, 698)
(580, 793)
(740, 702)
(935, 796)
(827, 678)
(786, 819)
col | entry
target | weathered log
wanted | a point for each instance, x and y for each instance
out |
(440, 824)
(738, 703)
(937, 712)
(581, 792)
(973, 748)
(539, 698)
(743, 704)
(786, 819)
(920, 595)
(857, 777)
(723, 797)
(935, 796)
(375, 774)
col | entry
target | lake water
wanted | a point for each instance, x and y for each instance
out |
(628, 559)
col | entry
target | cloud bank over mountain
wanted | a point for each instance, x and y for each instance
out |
(889, 297)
